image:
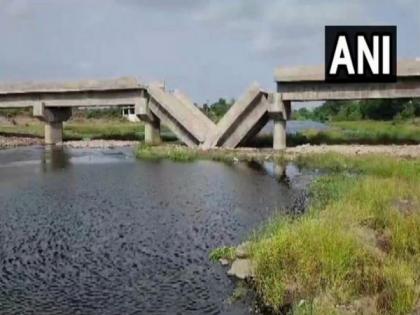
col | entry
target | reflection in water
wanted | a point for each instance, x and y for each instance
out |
(107, 234)
(276, 169)
(279, 171)
(54, 158)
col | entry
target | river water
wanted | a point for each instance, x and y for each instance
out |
(99, 232)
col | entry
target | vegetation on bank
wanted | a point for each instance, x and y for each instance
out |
(224, 252)
(381, 109)
(361, 132)
(356, 250)
(181, 153)
(107, 129)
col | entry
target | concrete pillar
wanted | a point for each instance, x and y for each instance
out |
(53, 132)
(53, 118)
(279, 134)
(279, 112)
(151, 121)
(152, 132)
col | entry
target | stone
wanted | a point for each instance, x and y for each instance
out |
(223, 261)
(241, 269)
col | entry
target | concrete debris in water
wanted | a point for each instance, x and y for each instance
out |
(242, 269)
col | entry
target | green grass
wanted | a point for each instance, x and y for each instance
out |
(174, 153)
(362, 132)
(224, 252)
(99, 129)
(184, 154)
(356, 250)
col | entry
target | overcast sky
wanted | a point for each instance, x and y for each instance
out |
(207, 48)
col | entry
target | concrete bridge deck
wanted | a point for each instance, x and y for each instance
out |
(308, 84)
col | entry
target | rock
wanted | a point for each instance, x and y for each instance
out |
(242, 269)
(223, 261)
(242, 251)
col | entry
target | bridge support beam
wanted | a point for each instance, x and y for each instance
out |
(53, 133)
(279, 134)
(53, 118)
(152, 132)
(279, 112)
(151, 121)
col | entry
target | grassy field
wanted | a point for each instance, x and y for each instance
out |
(184, 154)
(362, 132)
(356, 250)
(86, 129)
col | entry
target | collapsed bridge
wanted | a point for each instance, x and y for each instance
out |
(53, 103)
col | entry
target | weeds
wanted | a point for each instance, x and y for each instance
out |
(223, 252)
(357, 247)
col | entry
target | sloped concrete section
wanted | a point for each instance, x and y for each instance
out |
(198, 114)
(243, 120)
(180, 115)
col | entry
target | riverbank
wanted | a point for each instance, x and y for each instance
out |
(80, 129)
(355, 251)
(77, 129)
(13, 142)
(182, 153)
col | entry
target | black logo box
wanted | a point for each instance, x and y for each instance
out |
(351, 32)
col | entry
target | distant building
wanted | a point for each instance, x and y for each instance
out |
(128, 113)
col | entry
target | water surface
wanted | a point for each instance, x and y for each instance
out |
(98, 232)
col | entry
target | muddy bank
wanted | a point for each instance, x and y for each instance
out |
(412, 151)
(13, 142)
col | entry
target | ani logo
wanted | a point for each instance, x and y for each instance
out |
(361, 53)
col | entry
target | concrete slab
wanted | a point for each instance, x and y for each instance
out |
(124, 83)
(405, 68)
(308, 84)
(241, 118)
(181, 113)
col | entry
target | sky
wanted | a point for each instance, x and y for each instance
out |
(206, 48)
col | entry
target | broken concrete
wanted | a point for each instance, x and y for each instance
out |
(186, 121)
(242, 269)
(243, 120)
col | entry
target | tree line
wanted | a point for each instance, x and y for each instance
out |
(364, 109)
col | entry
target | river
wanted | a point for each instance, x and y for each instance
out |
(99, 232)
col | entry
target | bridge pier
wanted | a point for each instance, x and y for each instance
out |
(53, 118)
(151, 121)
(279, 112)
(152, 132)
(279, 134)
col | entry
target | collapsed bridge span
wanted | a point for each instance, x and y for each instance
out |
(53, 103)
